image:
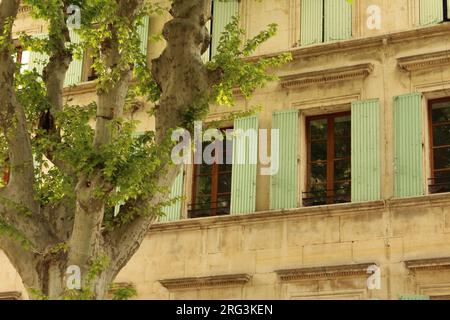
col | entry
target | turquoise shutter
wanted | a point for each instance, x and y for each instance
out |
(38, 60)
(284, 184)
(222, 14)
(173, 212)
(311, 24)
(408, 146)
(338, 20)
(73, 75)
(143, 34)
(366, 170)
(245, 154)
(431, 11)
(414, 297)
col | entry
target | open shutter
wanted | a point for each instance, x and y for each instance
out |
(431, 11)
(408, 145)
(143, 34)
(73, 75)
(222, 14)
(311, 28)
(338, 20)
(414, 297)
(245, 157)
(366, 170)
(173, 212)
(284, 184)
(38, 60)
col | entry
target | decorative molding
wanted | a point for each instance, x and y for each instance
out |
(350, 270)
(11, 295)
(432, 200)
(424, 61)
(82, 88)
(24, 9)
(359, 71)
(356, 44)
(212, 281)
(430, 264)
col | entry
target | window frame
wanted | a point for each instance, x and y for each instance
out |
(431, 142)
(213, 210)
(330, 188)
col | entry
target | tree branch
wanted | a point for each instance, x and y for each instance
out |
(184, 80)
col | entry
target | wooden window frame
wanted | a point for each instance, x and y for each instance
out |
(214, 182)
(330, 151)
(431, 138)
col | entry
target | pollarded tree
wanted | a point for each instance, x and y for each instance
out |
(66, 175)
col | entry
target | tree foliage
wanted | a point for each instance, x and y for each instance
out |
(72, 164)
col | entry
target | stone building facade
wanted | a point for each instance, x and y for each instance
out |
(363, 112)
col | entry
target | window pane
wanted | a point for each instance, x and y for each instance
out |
(318, 129)
(440, 182)
(441, 158)
(342, 147)
(441, 135)
(203, 187)
(342, 170)
(318, 174)
(223, 205)
(227, 156)
(441, 112)
(342, 126)
(318, 151)
(224, 182)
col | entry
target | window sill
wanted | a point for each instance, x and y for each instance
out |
(325, 210)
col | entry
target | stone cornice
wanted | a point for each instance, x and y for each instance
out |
(11, 295)
(358, 71)
(212, 281)
(82, 88)
(428, 264)
(24, 9)
(351, 270)
(363, 42)
(424, 61)
(276, 215)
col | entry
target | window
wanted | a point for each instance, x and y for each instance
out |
(439, 118)
(23, 57)
(325, 20)
(211, 194)
(329, 159)
(434, 11)
(5, 176)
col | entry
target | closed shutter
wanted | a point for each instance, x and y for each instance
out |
(284, 184)
(408, 146)
(73, 75)
(223, 11)
(338, 20)
(311, 23)
(38, 60)
(366, 170)
(173, 212)
(143, 34)
(245, 156)
(431, 11)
